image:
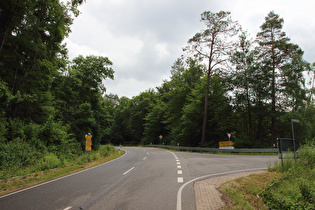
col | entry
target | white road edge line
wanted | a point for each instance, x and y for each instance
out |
(68, 208)
(179, 192)
(128, 171)
(47, 182)
(144, 158)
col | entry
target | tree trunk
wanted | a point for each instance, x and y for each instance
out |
(273, 94)
(205, 117)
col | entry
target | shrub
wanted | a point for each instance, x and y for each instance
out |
(50, 161)
(16, 154)
(307, 190)
(106, 150)
(295, 190)
(307, 155)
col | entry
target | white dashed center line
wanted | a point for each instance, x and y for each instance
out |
(179, 172)
(180, 179)
(128, 171)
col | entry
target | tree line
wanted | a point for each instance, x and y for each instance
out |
(225, 82)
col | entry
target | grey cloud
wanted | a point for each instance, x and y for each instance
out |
(144, 37)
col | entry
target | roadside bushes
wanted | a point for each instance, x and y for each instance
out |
(49, 161)
(296, 188)
(16, 154)
(18, 158)
(106, 150)
(103, 151)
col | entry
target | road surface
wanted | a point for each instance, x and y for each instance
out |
(144, 178)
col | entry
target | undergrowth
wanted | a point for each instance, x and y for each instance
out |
(24, 161)
(287, 186)
(54, 167)
(296, 188)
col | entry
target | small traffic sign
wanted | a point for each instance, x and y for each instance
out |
(229, 135)
(226, 143)
(88, 142)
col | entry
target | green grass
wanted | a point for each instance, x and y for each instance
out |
(245, 192)
(23, 177)
(287, 186)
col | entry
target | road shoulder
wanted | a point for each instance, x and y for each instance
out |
(206, 191)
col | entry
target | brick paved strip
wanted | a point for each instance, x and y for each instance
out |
(206, 194)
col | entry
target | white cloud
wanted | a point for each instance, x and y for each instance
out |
(144, 37)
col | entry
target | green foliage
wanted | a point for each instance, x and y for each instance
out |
(307, 155)
(130, 118)
(79, 97)
(49, 161)
(295, 190)
(106, 150)
(155, 126)
(16, 154)
(47, 103)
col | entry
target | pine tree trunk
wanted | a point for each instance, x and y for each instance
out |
(205, 117)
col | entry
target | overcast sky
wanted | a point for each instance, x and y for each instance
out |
(143, 38)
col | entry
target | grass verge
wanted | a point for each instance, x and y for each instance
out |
(287, 186)
(83, 162)
(245, 192)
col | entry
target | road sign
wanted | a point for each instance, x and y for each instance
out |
(225, 143)
(229, 135)
(286, 148)
(288, 145)
(88, 137)
(88, 142)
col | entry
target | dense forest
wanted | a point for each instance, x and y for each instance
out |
(225, 82)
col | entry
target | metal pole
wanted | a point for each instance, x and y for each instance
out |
(292, 129)
(293, 139)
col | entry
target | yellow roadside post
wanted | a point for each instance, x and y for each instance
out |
(88, 143)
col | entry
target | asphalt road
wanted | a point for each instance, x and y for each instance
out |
(144, 178)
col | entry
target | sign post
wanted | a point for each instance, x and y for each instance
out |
(161, 137)
(293, 139)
